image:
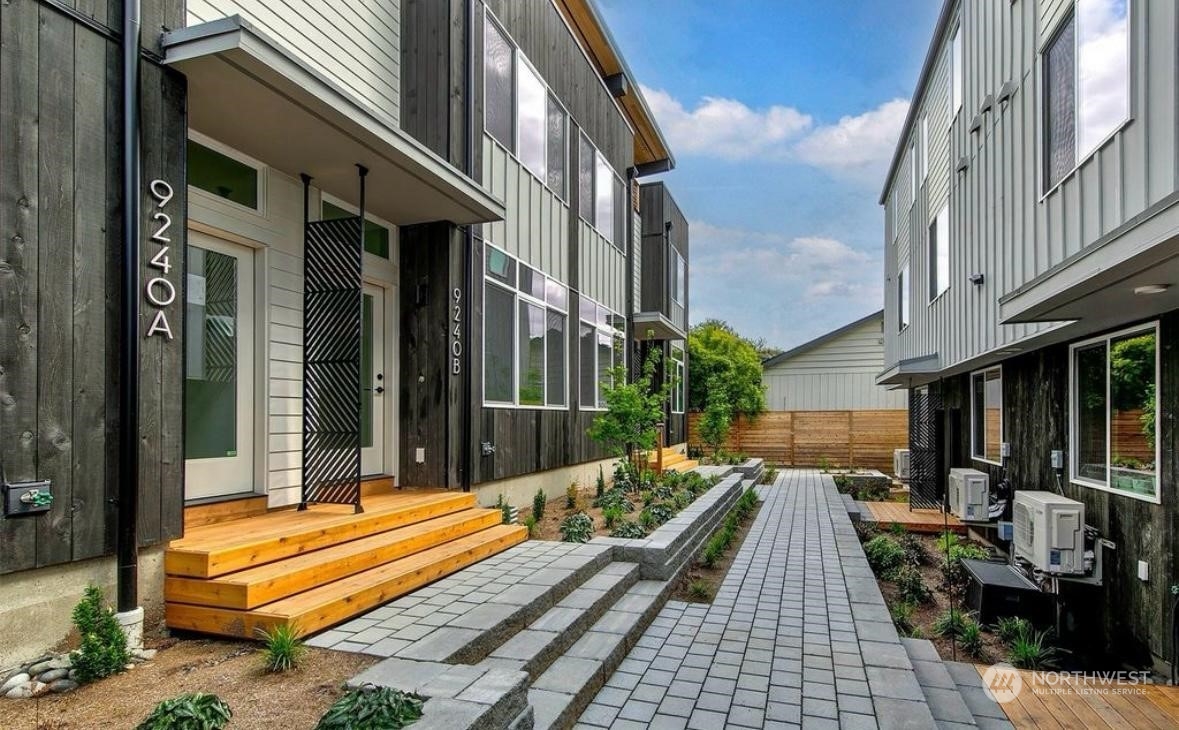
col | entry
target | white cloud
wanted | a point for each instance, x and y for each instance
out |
(858, 146)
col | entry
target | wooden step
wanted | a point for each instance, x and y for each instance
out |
(209, 513)
(376, 485)
(263, 584)
(331, 603)
(226, 547)
(685, 465)
(673, 459)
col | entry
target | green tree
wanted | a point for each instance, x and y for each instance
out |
(716, 418)
(718, 355)
(633, 412)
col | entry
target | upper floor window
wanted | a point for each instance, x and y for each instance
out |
(216, 172)
(678, 374)
(1114, 418)
(521, 112)
(376, 236)
(924, 142)
(913, 163)
(525, 343)
(903, 295)
(601, 196)
(1086, 77)
(957, 75)
(678, 277)
(939, 253)
(987, 414)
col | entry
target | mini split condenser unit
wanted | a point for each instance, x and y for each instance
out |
(970, 495)
(1049, 532)
(900, 464)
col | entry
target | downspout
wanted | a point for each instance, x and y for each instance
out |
(468, 254)
(127, 503)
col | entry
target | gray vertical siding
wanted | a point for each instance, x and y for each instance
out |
(1001, 225)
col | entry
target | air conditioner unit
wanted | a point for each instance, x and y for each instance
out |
(970, 495)
(900, 464)
(1050, 532)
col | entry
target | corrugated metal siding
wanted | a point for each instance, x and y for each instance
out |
(536, 227)
(999, 225)
(355, 43)
(836, 375)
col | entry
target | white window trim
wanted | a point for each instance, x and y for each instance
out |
(931, 260)
(609, 236)
(678, 293)
(616, 337)
(974, 451)
(1041, 112)
(904, 283)
(681, 372)
(957, 85)
(261, 167)
(924, 132)
(1072, 415)
(514, 404)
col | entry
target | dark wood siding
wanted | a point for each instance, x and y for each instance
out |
(60, 236)
(1132, 616)
(659, 209)
(433, 75)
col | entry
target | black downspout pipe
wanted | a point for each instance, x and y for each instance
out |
(126, 536)
(468, 255)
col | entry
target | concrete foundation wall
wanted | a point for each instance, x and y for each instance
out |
(36, 605)
(518, 491)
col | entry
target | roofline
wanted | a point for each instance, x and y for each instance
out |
(822, 339)
(943, 22)
(663, 160)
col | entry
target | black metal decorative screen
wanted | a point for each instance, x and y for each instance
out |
(331, 361)
(926, 484)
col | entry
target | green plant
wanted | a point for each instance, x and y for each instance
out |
(873, 492)
(505, 509)
(611, 516)
(902, 617)
(372, 708)
(661, 512)
(910, 585)
(532, 525)
(647, 519)
(615, 497)
(1032, 651)
(600, 484)
(633, 413)
(951, 623)
(769, 476)
(915, 552)
(577, 528)
(953, 572)
(539, 500)
(843, 483)
(700, 590)
(1010, 628)
(824, 464)
(884, 554)
(629, 530)
(712, 554)
(196, 711)
(717, 419)
(971, 638)
(103, 651)
(283, 648)
(571, 493)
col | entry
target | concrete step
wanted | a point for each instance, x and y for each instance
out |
(988, 714)
(565, 689)
(942, 683)
(535, 648)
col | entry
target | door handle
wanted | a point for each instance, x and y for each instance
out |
(379, 389)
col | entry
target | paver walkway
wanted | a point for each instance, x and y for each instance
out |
(798, 634)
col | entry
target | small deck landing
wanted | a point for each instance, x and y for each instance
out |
(914, 520)
(1068, 702)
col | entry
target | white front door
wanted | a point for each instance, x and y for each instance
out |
(374, 383)
(218, 369)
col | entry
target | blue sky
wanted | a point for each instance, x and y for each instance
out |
(782, 115)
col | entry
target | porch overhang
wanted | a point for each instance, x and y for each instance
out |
(912, 372)
(1103, 282)
(652, 326)
(250, 92)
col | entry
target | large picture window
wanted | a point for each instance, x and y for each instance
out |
(525, 347)
(939, 253)
(678, 373)
(1114, 420)
(957, 76)
(600, 193)
(678, 275)
(903, 294)
(986, 415)
(1086, 78)
(602, 347)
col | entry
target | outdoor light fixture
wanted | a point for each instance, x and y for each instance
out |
(1146, 289)
(977, 279)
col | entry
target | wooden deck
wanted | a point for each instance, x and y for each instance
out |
(321, 566)
(914, 520)
(1085, 702)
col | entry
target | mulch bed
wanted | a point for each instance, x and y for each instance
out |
(555, 511)
(715, 575)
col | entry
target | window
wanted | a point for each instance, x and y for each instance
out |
(939, 253)
(376, 236)
(987, 414)
(1086, 76)
(957, 80)
(1114, 418)
(602, 339)
(678, 378)
(585, 179)
(678, 274)
(221, 175)
(903, 294)
(924, 147)
(601, 195)
(913, 162)
(524, 342)
(524, 117)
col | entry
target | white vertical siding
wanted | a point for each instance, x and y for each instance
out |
(601, 269)
(356, 43)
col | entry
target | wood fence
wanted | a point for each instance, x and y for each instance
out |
(808, 438)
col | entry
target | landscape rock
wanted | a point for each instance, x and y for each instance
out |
(53, 675)
(14, 681)
(39, 667)
(20, 692)
(38, 688)
(65, 661)
(62, 686)
(145, 655)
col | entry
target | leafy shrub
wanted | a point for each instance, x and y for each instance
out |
(884, 554)
(915, 552)
(873, 492)
(951, 623)
(971, 638)
(372, 708)
(571, 493)
(647, 519)
(600, 484)
(681, 500)
(577, 528)
(953, 572)
(661, 512)
(910, 585)
(196, 711)
(531, 524)
(902, 617)
(505, 509)
(611, 515)
(700, 590)
(1032, 651)
(1011, 628)
(769, 476)
(865, 531)
(539, 501)
(843, 483)
(629, 530)
(615, 497)
(104, 645)
(284, 649)
(712, 554)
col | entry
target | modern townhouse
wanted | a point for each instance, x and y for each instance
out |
(1031, 271)
(387, 251)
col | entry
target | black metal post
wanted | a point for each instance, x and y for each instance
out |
(466, 460)
(363, 171)
(306, 219)
(126, 533)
